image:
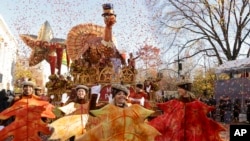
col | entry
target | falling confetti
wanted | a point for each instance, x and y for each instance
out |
(131, 30)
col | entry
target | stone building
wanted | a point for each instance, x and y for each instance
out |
(8, 50)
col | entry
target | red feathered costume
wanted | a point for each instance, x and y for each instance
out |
(136, 96)
(186, 121)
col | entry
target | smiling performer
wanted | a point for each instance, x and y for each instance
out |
(120, 94)
(121, 121)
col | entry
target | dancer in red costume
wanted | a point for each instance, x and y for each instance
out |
(185, 119)
(140, 97)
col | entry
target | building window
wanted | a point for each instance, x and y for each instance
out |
(1, 78)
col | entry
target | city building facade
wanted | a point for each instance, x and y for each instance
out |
(8, 51)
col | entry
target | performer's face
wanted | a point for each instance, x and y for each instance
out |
(27, 90)
(81, 93)
(38, 92)
(182, 92)
(138, 89)
(147, 82)
(120, 98)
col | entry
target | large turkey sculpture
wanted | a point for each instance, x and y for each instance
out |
(93, 43)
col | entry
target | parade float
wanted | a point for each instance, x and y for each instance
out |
(91, 55)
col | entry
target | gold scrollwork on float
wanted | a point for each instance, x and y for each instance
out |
(127, 75)
(106, 75)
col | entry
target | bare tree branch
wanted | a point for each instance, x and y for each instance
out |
(222, 26)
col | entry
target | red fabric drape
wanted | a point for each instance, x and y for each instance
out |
(186, 122)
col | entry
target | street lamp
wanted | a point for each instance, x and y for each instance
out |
(179, 67)
(179, 63)
(205, 92)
